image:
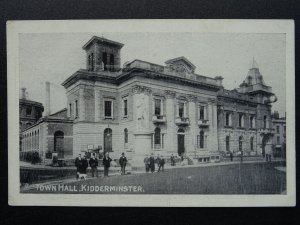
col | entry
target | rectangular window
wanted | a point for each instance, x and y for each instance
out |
(112, 62)
(277, 129)
(240, 120)
(278, 140)
(227, 118)
(251, 121)
(76, 108)
(28, 111)
(108, 109)
(104, 60)
(125, 113)
(157, 109)
(201, 112)
(70, 109)
(181, 109)
(92, 62)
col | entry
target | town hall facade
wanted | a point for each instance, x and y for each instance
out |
(146, 108)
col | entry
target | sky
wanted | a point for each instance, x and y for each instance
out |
(54, 57)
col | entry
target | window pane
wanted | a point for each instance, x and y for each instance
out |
(201, 113)
(108, 108)
(181, 109)
(125, 107)
(157, 109)
(201, 139)
(157, 136)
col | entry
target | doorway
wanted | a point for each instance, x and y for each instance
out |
(107, 140)
(59, 143)
(180, 141)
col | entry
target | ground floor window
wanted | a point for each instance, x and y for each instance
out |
(227, 143)
(251, 143)
(240, 143)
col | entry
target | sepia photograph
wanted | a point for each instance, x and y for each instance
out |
(190, 112)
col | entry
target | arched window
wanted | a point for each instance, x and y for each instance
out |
(28, 124)
(241, 120)
(227, 143)
(251, 143)
(157, 136)
(58, 141)
(201, 139)
(240, 143)
(126, 136)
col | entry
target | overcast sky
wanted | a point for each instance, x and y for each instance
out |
(55, 57)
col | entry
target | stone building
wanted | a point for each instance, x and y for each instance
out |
(29, 112)
(279, 138)
(244, 116)
(143, 108)
(146, 108)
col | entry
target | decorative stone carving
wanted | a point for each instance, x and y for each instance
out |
(137, 89)
(170, 94)
(192, 98)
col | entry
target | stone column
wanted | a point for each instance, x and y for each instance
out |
(191, 141)
(170, 143)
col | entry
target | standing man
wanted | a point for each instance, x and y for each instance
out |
(123, 161)
(78, 164)
(231, 156)
(106, 163)
(161, 164)
(147, 163)
(94, 164)
(172, 160)
(84, 165)
(152, 163)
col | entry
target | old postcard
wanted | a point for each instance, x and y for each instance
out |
(151, 113)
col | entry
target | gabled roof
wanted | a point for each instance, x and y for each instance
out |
(182, 58)
(103, 40)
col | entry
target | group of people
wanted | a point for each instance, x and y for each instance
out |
(82, 164)
(150, 163)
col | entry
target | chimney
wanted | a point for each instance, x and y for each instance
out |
(47, 102)
(23, 93)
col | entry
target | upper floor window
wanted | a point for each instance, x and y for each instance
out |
(181, 109)
(108, 109)
(125, 108)
(241, 120)
(28, 111)
(157, 107)
(201, 112)
(228, 120)
(104, 60)
(265, 122)
(70, 110)
(278, 140)
(251, 143)
(277, 129)
(91, 62)
(252, 122)
(157, 136)
(111, 62)
(76, 108)
(201, 144)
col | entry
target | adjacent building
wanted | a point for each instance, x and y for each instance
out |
(279, 138)
(146, 108)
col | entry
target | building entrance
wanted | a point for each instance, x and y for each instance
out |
(180, 142)
(107, 140)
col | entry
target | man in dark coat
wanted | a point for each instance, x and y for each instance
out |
(84, 165)
(123, 161)
(172, 160)
(152, 163)
(94, 164)
(106, 163)
(147, 163)
(78, 164)
(161, 164)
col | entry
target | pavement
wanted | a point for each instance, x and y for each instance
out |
(115, 171)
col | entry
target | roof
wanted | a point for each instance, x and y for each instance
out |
(103, 40)
(182, 58)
